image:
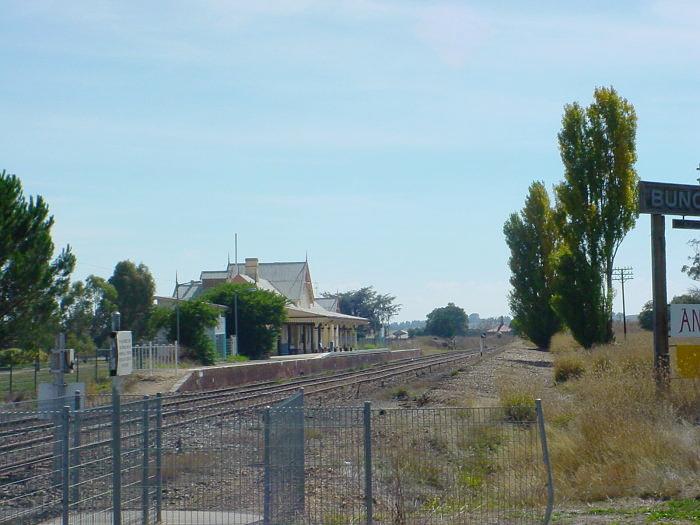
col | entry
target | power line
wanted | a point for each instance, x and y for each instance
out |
(622, 275)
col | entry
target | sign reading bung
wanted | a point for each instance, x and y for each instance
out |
(669, 199)
(685, 320)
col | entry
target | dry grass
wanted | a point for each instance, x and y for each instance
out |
(611, 433)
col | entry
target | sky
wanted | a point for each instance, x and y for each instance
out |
(387, 141)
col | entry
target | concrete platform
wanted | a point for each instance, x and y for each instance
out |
(284, 367)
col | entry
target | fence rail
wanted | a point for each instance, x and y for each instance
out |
(132, 462)
(153, 357)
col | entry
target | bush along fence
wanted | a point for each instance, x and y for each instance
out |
(136, 461)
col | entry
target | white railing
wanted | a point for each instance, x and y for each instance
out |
(155, 357)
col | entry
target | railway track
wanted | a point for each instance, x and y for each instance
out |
(25, 433)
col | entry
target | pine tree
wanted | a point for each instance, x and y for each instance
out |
(30, 281)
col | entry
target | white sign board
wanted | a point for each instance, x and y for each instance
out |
(125, 363)
(685, 320)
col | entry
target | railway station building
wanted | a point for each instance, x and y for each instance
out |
(313, 324)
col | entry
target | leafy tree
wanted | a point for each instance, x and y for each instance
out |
(367, 303)
(135, 288)
(597, 206)
(197, 317)
(532, 239)
(693, 270)
(86, 311)
(103, 297)
(261, 314)
(691, 297)
(77, 315)
(448, 321)
(30, 281)
(646, 316)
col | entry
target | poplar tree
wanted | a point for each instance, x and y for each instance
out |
(597, 206)
(532, 239)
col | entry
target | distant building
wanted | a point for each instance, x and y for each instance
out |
(399, 335)
(313, 324)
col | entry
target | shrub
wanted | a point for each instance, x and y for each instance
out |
(519, 407)
(568, 367)
(261, 314)
(196, 318)
(16, 357)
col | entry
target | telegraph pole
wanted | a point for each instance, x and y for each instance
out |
(622, 275)
(177, 310)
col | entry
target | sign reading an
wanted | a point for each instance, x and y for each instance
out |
(122, 340)
(669, 199)
(685, 320)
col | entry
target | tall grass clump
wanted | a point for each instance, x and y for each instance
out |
(568, 367)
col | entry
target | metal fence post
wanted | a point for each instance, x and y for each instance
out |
(65, 464)
(368, 461)
(11, 367)
(159, 456)
(267, 475)
(177, 353)
(75, 459)
(301, 453)
(116, 458)
(545, 458)
(144, 464)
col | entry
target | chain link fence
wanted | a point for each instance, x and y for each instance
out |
(138, 461)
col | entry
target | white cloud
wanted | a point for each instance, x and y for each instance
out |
(454, 32)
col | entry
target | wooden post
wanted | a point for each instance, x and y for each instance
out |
(658, 269)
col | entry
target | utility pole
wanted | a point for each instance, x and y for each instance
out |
(622, 275)
(177, 310)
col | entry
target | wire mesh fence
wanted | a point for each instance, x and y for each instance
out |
(72, 465)
(136, 461)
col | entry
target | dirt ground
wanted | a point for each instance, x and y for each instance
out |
(147, 384)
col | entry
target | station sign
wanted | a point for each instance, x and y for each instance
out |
(669, 199)
(685, 320)
(122, 363)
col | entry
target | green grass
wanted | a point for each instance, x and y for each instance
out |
(682, 510)
(237, 358)
(24, 385)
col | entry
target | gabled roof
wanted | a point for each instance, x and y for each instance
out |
(328, 303)
(288, 278)
(187, 291)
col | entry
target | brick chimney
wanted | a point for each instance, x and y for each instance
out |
(251, 268)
